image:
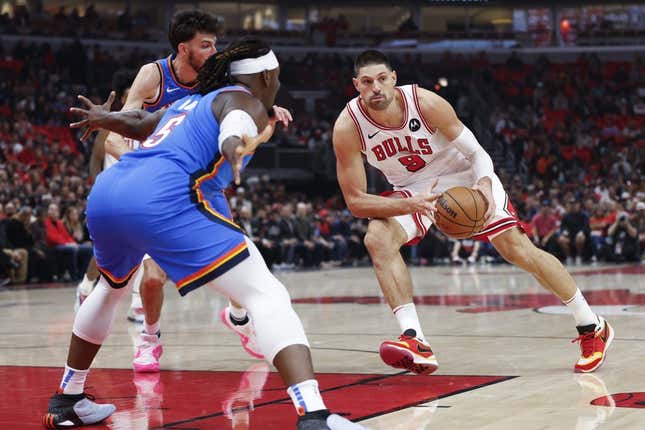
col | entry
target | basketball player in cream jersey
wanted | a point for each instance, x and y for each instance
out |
(414, 137)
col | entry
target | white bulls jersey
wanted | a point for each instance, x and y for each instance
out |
(109, 161)
(412, 153)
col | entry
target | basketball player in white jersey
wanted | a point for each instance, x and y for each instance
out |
(414, 137)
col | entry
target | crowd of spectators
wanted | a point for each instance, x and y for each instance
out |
(566, 138)
(118, 25)
(141, 23)
(575, 134)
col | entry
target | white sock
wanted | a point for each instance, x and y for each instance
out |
(306, 397)
(407, 317)
(580, 309)
(73, 381)
(151, 328)
(237, 313)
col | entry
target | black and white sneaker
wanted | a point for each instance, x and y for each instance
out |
(66, 411)
(324, 420)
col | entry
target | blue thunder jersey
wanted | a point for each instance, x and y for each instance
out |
(193, 143)
(170, 89)
(167, 200)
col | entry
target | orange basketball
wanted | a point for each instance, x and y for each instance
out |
(460, 212)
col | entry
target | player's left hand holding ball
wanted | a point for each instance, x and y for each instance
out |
(93, 114)
(485, 186)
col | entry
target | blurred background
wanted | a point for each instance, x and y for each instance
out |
(554, 91)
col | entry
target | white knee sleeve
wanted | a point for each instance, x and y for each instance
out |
(252, 285)
(94, 318)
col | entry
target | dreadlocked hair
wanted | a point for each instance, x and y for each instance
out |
(216, 70)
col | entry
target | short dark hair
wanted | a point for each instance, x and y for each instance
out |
(184, 25)
(371, 56)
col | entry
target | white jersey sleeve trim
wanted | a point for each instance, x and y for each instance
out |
(417, 105)
(358, 127)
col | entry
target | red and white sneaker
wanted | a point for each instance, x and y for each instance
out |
(594, 342)
(410, 353)
(246, 332)
(149, 351)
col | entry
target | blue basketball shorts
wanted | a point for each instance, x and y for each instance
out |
(193, 239)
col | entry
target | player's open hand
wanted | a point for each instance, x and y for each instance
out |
(485, 187)
(425, 203)
(281, 115)
(93, 114)
(247, 147)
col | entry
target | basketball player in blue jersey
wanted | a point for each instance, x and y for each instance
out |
(156, 86)
(192, 37)
(167, 200)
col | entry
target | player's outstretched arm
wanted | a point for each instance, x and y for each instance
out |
(353, 181)
(442, 116)
(240, 116)
(145, 88)
(135, 124)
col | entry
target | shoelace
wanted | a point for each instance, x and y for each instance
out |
(586, 341)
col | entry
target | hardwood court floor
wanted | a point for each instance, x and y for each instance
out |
(503, 345)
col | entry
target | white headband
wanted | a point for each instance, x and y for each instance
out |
(254, 65)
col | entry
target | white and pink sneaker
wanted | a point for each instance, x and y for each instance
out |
(246, 332)
(149, 350)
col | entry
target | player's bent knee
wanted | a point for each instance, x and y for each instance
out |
(519, 257)
(152, 282)
(276, 323)
(94, 318)
(517, 250)
(378, 239)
